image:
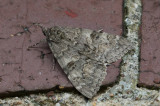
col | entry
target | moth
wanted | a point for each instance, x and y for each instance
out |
(84, 54)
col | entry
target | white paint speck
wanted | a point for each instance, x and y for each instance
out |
(40, 73)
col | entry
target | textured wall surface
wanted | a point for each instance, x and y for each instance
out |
(150, 44)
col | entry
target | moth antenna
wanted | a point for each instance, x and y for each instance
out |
(42, 27)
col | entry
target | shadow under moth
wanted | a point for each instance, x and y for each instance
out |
(84, 54)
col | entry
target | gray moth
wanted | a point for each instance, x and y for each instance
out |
(84, 54)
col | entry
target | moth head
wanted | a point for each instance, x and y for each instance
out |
(53, 34)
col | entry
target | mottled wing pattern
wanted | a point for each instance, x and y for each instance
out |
(105, 47)
(83, 54)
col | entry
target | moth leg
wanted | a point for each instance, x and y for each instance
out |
(44, 54)
(33, 46)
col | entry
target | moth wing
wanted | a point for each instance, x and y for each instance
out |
(85, 74)
(105, 47)
(82, 54)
